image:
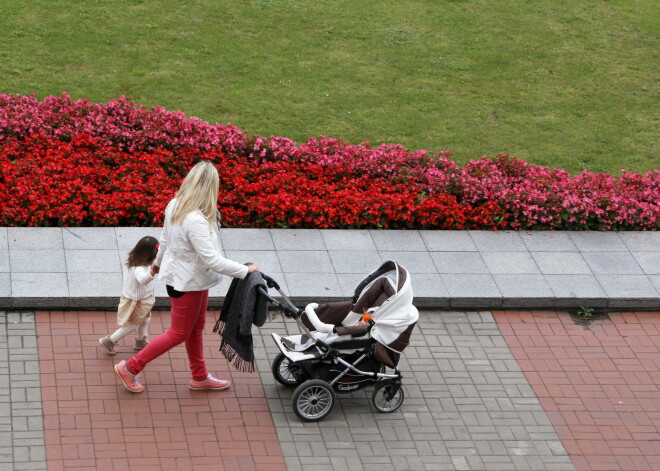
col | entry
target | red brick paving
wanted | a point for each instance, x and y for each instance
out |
(92, 422)
(599, 383)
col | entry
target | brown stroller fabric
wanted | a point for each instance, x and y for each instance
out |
(335, 313)
(330, 313)
(390, 357)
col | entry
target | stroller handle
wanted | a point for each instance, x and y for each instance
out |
(287, 307)
(270, 282)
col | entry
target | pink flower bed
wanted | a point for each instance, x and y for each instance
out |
(502, 192)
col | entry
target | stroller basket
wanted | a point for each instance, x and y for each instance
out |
(346, 346)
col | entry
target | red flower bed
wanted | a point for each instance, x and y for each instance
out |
(49, 182)
(68, 162)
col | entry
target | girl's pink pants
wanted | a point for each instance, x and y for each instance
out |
(188, 318)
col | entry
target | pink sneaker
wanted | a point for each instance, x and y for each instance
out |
(128, 379)
(210, 383)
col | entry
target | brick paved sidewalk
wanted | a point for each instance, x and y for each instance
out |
(91, 422)
(501, 391)
(21, 418)
(599, 383)
(468, 406)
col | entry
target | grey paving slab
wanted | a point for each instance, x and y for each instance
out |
(448, 241)
(365, 261)
(81, 261)
(349, 281)
(648, 241)
(342, 240)
(561, 263)
(575, 286)
(592, 241)
(459, 262)
(39, 285)
(5, 290)
(220, 290)
(415, 262)
(4, 261)
(627, 286)
(648, 261)
(523, 286)
(297, 239)
(392, 241)
(353, 252)
(94, 285)
(42, 261)
(318, 286)
(471, 286)
(655, 281)
(610, 263)
(103, 238)
(246, 239)
(510, 262)
(547, 241)
(160, 291)
(458, 412)
(266, 259)
(310, 261)
(123, 255)
(497, 241)
(32, 238)
(430, 291)
(127, 237)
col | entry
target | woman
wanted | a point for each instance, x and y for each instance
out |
(191, 264)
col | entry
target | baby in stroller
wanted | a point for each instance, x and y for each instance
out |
(348, 345)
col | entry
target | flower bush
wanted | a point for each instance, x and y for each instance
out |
(83, 182)
(66, 162)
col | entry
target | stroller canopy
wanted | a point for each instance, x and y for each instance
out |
(395, 318)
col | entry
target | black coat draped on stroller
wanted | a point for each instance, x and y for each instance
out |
(347, 345)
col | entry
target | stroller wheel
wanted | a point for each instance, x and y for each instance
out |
(282, 371)
(313, 400)
(387, 396)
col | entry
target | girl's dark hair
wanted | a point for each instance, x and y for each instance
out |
(144, 252)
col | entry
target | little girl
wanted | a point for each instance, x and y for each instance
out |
(137, 299)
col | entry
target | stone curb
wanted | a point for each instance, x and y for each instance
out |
(80, 268)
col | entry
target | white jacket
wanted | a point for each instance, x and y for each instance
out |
(190, 254)
(137, 282)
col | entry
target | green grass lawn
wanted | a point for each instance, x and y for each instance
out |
(561, 83)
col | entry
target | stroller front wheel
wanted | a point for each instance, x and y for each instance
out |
(313, 400)
(282, 370)
(387, 396)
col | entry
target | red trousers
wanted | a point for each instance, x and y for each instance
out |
(188, 318)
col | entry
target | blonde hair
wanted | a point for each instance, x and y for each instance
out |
(198, 192)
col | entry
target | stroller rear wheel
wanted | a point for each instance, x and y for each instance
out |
(387, 396)
(313, 400)
(282, 371)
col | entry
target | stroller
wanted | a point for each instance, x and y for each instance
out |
(347, 345)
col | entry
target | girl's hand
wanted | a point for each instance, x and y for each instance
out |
(253, 268)
(154, 270)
